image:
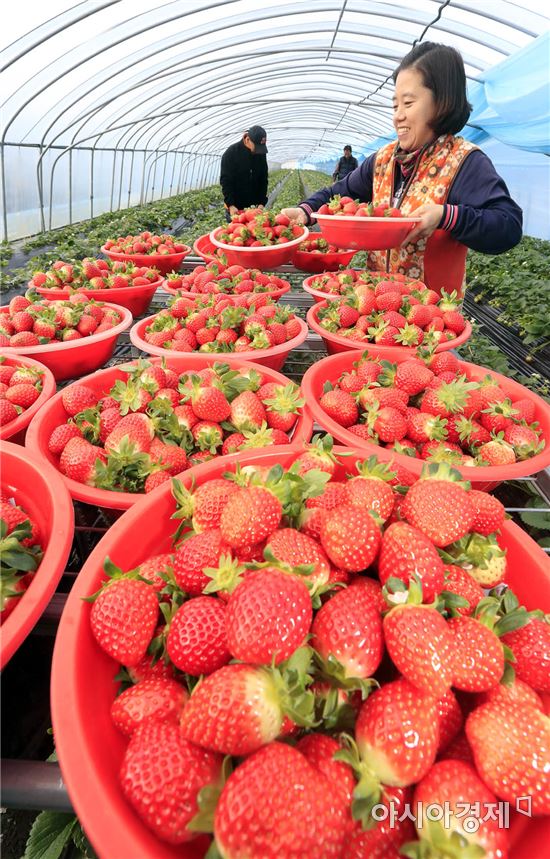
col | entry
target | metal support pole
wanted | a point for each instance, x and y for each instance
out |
(33, 785)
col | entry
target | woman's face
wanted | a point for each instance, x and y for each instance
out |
(413, 110)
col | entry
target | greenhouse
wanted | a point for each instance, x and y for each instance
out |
(275, 429)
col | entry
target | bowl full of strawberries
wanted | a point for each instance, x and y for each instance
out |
(163, 252)
(349, 223)
(441, 409)
(36, 533)
(124, 430)
(252, 327)
(392, 319)
(240, 555)
(257, 238)
(204, 248)
(216, 278)
(71, 337)
(25, 385)
(315, 254)
(328, 286)
(122, 283)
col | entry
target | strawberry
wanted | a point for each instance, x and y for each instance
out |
(268, 617)
(496, 452)
(162, 775)
(24, 338)
(160, 699)
(77, 397)
(516, 692)
(317, 456)
(412, 376)
(294, 548)
(406, 552)
(197, 552)
(197, 641)
(511, 746)
(210, 404)
(350, 537)
(78, 460)
(457, 787)
(171, 455)
(340, 406)
(22, 395)
(348, 628)
(282, 407)
(481, 556)
(388, 424)
(8, 412)
(531, 648)
(420, 646)
(392, 828)
(422, 427)
(439, 507)
(154, 479)
(247, 411)
(370, 493)
(451, 719)
(250, 515)
(524, 440)
(61, 435)
(489, 512)
(156, 568)
(207, 503)
(525, 409)
(261, 812)
(479, 657)
(133, 433)
(124, 617)
(460, 583)
(13, 516)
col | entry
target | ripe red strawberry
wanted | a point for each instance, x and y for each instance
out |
(250, 515)
(161, 699)
(392, 829)
(210, 404)
(18, 303)
(350, 537)
(524, 440)
(194, 554)
(78, 460)
(8, 412)
(439, 508)
(124, 617)
(261, 812)
(268, 617)
(155, 567)
(294, 548)
(489, 512)
(60, 436)
(171, 455)
(406, 552)
(496, 452)
(389, 424)
(13, 516)
(22, 321)
(197, 641)
(154, 479)
(386, 722)
(516, 692)
(319, 750)
(24, 338)
(317, 456)
(451, 719)
(134, 431)
(282, 407)
(370, 493)
(77, 397)
(22, 395)
(422, 427)
(458, 581)
(412, 376)
(525, 409)
(457, 787)
(247, 411)
(208, 502)
(421, 647)
(340, 406)
(479, 657)
(511, 746)
(162, 775)
(531, 648)
(348, 627)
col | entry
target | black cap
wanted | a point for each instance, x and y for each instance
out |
(348, 147)
(258, 137)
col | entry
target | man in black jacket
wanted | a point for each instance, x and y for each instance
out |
(244, 172)
(346, 164)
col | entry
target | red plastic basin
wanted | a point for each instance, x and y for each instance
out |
(16, 429)
(481, 477)
(204, 248)
(90, 748)
(274, 294)
(365, 234)
(163, 262)
(309, 261)
(135, 298)
(335, 343)
(265, 258)
(274, 357)
(39, 489)
(74, 358)
(44, 423)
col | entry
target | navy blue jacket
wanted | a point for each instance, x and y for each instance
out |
(479, 211)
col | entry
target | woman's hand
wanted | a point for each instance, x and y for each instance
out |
(296, 214)
(431, 215)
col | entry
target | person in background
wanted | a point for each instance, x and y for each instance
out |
(431, 173)
(243, 174)
(345, 165)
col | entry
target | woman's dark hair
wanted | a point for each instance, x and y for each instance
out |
(442, 70)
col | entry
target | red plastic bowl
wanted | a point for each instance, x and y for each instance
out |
(204, 248)
(136, 299)
(365, 234)
(274, 357)
(41, 492)
(163, 262)
(481, 477)
(89, 747)
(16, 429)
(335, 343)
(44, 423)
(264, 258)
(317, 263)
(74, 358)
(274, 294)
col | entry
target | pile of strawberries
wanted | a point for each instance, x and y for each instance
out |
(341, 282)
(433, 410)
(20, 553)
(318, 245)
(20, 387)
(257, 227)
(394, 313)
(146, 243)
(44, 322)
(231, 280)
(338, 205)
(345, 709)
(93, 274)
(157, 423)
(217, 323)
